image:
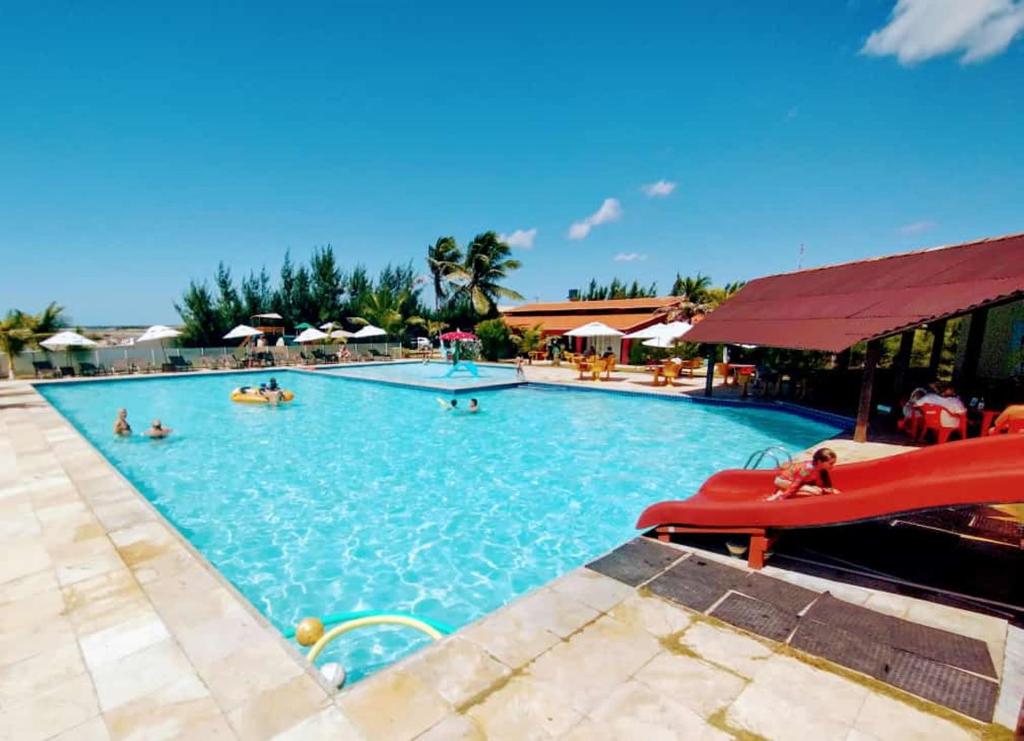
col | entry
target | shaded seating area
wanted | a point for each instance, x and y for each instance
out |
(177, 364)
(44, 369)
(850, 309)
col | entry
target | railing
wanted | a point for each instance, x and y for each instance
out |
(773, 452)
(153, 357)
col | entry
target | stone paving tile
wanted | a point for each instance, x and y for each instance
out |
(123, 639)
(28, 585)
(703, 688)
(592, 589)
(457, 669)
(589, 666)
(25, 679)
(181, 709)
(883, 717)
(248, 672)
(634, 711)
(108, 599)
(22, 556)
(727, 648)
(62, 706)
(656, 616)
(511, 638)
(34, 639)
(393, 705)
(790, 700)
(32, 610)
(327, 725)
(93, 729)
(279, 708)
(524, 708)
(453, 728)
(140, 674)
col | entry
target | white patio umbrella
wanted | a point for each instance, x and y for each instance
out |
(311, 335)
(369, 331)
(594, 329)
(327, 326)
(341, 334)
(242, 331)
(158, 333)
(66, 340)
(646, 333)
(668, 335)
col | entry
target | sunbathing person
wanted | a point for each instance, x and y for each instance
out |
(121, 426)
(811, 478)
(158, 431)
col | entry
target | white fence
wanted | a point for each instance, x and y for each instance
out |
(152, 357)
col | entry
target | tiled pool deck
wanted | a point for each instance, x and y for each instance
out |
(112, 626)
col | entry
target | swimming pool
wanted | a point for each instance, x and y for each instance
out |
(367, 496)
(436, 375)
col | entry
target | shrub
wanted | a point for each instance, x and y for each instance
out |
(494, 339)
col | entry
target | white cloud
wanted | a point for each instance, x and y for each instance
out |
(611, 210)
(521, 238)
(921, 29)
(659, 189)
(629, 257)
(917, 227)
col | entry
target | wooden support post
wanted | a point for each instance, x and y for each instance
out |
(902, 361)
(972, 353)
(709, 382)
(938, 330)
(860, 432)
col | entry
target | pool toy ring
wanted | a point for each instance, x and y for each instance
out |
(365, 622)
(252, 395)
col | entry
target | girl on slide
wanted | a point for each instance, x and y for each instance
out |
(811, 478)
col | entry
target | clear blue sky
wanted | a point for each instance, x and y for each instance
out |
(139, 146)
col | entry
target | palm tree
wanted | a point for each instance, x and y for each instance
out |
(19, 329)
(528, 339)
(443, 261)
(384, 309)
(715, 297)
(487, 264)
(694, 289)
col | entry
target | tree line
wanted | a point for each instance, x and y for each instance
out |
(467, 283)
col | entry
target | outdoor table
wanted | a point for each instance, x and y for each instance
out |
(735, 370)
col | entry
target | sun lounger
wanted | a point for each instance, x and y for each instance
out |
(67, 371)
(44, 368)
(92, 369)
(984, 470)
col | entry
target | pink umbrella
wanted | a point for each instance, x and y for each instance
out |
(459, 335)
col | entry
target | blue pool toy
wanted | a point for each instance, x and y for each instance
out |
(463, 366)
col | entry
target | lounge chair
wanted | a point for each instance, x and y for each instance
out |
(67, 371)
(44, 367)
(177, 363)
(92, 369)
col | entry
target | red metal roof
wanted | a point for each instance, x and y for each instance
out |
(834, 307)
(586, 307)
(559, 323)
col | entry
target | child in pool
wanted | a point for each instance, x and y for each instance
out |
(810, 478)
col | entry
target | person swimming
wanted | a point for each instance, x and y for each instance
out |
(474, 406)
(811, 478)
(121, 426)
(448, 406)
(157, 430)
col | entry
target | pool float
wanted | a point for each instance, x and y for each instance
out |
(310, 632)
(252, 395)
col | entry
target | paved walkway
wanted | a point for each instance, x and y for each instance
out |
(112, 626)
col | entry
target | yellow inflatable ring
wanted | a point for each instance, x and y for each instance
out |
(364, 622)
(253, 396)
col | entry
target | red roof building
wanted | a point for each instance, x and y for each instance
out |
(835, 307)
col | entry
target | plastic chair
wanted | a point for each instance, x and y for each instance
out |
(931, 419)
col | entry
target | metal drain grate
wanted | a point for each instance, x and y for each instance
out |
(756, 616)
(636, 561)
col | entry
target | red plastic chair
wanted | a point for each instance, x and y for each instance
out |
(931, 419)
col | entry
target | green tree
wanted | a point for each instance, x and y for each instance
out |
(487, 264)
(494, 338)
(326, 284)
(283, 294)
(257, 296)
(203, 324)
(19, 330)
(528, 339)
(385, 309)
(716, 296)
(229, 305)
(444, 261)
(693, 288)
(304, 308)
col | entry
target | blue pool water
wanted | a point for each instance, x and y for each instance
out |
(368, 496)
(434, 374)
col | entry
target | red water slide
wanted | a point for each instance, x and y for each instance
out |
(987, 470)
